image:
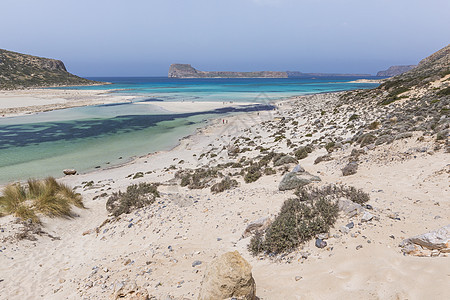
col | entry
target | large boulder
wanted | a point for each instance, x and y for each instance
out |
(428, 244)
(228, 276)
(293, 180)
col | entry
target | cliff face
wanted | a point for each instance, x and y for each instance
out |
(187, 71)
(23, 71)
(395, 70)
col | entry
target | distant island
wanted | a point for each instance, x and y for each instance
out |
(395, 70)
(18, 71)
(187, 71)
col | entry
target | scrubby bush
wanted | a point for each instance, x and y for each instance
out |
(302, 152)
(198, 178)
(46, 196)
(252, 173)
(299, 220)
(136, 196)
(223, 185)
(313, 211)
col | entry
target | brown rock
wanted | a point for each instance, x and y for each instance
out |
(70, 172)
(228, 276)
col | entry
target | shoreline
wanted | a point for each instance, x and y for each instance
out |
(154, 247)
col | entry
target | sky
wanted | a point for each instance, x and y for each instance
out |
(143, 37)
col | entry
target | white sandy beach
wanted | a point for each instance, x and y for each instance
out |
(153, 248)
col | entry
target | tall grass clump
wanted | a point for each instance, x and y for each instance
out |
(47, 197)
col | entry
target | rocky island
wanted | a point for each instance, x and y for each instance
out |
(187, 71)
(18, 71)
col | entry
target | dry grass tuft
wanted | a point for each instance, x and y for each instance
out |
(46, 196)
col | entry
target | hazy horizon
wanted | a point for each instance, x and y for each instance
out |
(142, 38)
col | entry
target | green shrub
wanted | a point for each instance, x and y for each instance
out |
(353, 117)
(136, 196)
(223, 185)
(198, 178)
(313, 211)
(299, 220)
(252, 173)
(302, 152)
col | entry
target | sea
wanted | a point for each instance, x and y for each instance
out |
(101, 136)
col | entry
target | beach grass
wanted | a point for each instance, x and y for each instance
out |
(47, 197)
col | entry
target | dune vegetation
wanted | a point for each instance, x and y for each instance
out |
(47, 197)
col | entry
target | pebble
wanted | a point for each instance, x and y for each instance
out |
(320, 243)
(129, 225)
(350, 225)
(344, 229)
(196, 263)
(297, 278)
(366, 217)
(359, 247)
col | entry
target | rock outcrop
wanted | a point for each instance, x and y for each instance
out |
(431, 243)
(24, 71)
(228, 276)
(395, 70)
(187, 71)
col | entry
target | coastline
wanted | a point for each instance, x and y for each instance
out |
(168, 236)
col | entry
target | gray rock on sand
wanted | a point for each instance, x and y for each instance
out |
(297, 178)
(428, 243)
(349, 208)
(257, 225)
(228, 276)
(367, 216)
(69, 171)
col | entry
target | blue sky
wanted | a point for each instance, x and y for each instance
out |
(143, 37)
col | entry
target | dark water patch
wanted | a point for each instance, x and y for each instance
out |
(20, 135)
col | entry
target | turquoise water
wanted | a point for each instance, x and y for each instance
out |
(84, 138)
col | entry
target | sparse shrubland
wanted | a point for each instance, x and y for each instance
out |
(136, 196)
(313, 211)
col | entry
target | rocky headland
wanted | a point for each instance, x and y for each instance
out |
(19, 71)
(395, 70)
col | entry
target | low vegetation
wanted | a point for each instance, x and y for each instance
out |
(136, 196)
(47, 197)
(224, 185)
(313, 211)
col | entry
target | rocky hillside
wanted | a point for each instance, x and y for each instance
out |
(187, 71)
(417, 100)
(395, 70)
(24, 71)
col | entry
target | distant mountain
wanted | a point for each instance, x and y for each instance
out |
(24, 71)
(395, 70)
(187, 71)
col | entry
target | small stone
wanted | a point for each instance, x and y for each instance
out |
(350, 225)
(129, 225)
(368, 206)
(367, 216)
(359, 247)
(320, 243)
(297, 278)
(196, 263)
(344, 229)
